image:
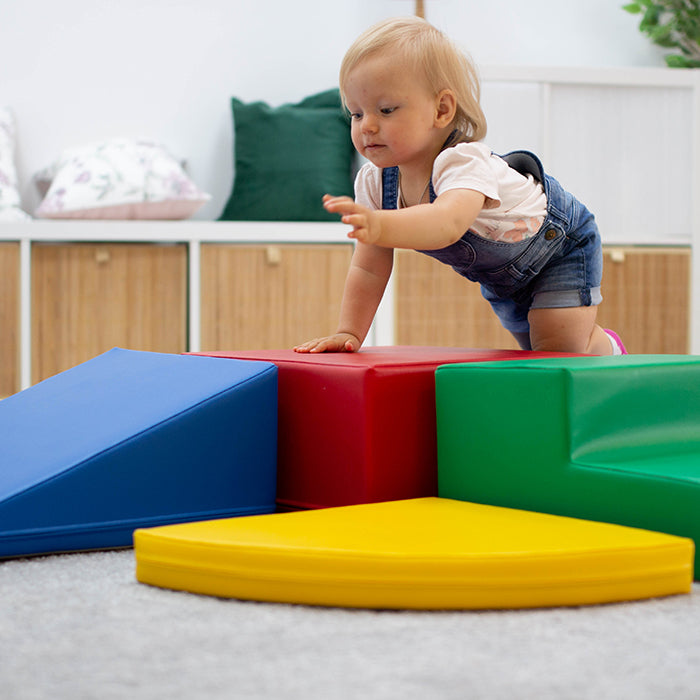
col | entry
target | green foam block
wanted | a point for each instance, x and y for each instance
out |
(613, 439)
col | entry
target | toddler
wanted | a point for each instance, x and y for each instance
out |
(431, 185)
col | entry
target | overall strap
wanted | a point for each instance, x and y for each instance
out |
(390, 188)
(525, 163)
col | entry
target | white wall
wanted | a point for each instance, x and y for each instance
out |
(83, 70)
(546, 32)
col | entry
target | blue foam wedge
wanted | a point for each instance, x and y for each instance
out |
(134, 439)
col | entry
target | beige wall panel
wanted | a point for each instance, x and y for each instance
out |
(88, 298)
(9, 319)
(646, 298)
(645, 290)
(270, 296)
(436, 306)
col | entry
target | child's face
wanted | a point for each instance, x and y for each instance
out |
(393, 113)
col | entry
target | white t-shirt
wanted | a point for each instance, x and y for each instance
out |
(515, 205)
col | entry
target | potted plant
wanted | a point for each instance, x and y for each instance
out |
(673, 24)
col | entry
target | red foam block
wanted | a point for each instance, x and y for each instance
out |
(359, 427)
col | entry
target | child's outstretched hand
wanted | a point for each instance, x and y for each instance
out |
(364, 221)
(340, 342)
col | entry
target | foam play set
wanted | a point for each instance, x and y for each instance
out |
(134, 439)
(602, 438)
(400, 465)
(371, 415)
(416, 554)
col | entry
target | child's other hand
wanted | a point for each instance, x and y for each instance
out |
(340, 342)
(364, 221)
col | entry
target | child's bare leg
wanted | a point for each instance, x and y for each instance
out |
(568, 330)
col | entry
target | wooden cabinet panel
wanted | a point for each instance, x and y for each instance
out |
(646, 300)
(270, 296)
(88, 298)
(436, 306)
(9, 319)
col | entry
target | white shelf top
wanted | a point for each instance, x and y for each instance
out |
(102, 231)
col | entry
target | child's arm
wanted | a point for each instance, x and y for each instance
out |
(422, 227)
(368, 275)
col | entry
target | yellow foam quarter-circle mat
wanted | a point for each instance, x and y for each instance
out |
(426, 553)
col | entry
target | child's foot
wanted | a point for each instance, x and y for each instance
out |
(617, 347)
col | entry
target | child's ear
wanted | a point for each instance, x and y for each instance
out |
(446, 108)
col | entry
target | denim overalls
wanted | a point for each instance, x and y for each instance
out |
(560, 266)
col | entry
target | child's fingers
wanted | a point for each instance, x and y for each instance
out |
(351, 214)
(340, 342)
(339, 205)
(355, 220)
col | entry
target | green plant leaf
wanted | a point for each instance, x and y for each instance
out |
(678, 61)
(663, 36)
(650, 19)
(672, 24)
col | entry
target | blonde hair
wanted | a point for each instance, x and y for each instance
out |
(436, 56)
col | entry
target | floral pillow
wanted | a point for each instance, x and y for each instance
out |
(9, 194)
(118, 179)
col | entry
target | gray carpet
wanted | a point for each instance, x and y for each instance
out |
(80, 626)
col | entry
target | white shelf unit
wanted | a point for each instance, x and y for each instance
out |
(625, 141)
(192, 233)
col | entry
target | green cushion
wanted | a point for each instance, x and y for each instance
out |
(608, 439)
(288, 157)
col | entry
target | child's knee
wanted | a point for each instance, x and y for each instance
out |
(565, 330)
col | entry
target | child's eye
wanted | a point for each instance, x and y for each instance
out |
(355, 116)
(387, 110)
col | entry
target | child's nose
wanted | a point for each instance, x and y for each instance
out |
(369, 124)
